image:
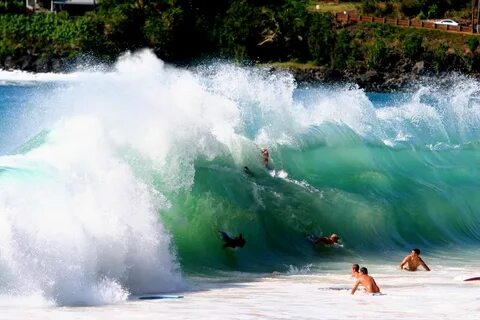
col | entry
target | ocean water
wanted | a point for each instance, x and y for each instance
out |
(115, 182)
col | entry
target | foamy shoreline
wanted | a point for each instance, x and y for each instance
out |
(320, 296)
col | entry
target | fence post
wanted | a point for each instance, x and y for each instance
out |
(384, 20)
(371, 19)
(409, 22)
(396, 22)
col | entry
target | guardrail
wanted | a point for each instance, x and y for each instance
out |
(347, 18)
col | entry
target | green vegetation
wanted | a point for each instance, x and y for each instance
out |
(418, 8)
(412, 46)
(12, 6)
(472, 43)
(48, 35)
(263, 31)
(383, 45)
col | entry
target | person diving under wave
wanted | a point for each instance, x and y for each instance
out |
(229, 242)
(332, 239)
(265, 157)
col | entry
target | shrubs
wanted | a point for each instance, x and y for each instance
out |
(46, 34)
(12, 6)
(343, 50)
(439, 56)
(378, 55)
(472, 43)
(369, 6)
(412, 46)
(412, 8)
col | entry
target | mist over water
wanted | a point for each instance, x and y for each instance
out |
(115, 182)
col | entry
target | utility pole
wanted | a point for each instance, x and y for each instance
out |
(475, 15)
(474, 6)
(478, 15)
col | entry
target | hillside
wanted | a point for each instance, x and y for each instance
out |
(249, 31)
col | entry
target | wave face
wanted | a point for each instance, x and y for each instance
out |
(130, 172)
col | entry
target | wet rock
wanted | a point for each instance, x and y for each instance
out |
(419, 68)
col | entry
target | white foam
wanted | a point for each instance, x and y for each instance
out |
(312, 296)
(18, 77)
(224, 102)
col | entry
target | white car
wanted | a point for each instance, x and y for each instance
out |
(448, 22)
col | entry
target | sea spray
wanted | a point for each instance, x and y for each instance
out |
(77, 226)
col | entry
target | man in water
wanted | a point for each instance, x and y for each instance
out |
(265, 156)
(355, 272)
(367, 281)
(413, 261)
(332, 239)
(247, 171)
(230, 242)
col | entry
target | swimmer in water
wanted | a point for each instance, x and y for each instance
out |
(265, 157)
(332, 239)
(230, 242)
(367, 281)
(413, 261)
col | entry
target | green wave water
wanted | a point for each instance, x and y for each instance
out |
(378, 199)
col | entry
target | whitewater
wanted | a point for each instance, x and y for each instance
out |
(115, 180)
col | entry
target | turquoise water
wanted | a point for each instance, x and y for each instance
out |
(100, 156)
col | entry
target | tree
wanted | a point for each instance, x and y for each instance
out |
(240, 31)
(162, 32)
(321, 36)
(292, 19)
(433, 11)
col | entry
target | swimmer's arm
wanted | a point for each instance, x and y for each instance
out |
(355, 287)
(376, 285)
(404, 262)
(424, 264)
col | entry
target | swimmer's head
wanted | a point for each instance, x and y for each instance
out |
(355, 267)
(417, 251)
(363, 270)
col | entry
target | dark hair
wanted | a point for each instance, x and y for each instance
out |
(363, 270)
(355, 267)
(417, 251)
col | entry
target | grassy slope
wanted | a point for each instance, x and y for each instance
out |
(332, 7)
(431, 38)
(394, 37)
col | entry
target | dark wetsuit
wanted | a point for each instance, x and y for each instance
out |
(230, 242)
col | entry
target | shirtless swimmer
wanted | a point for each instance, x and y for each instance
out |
(413, 261)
